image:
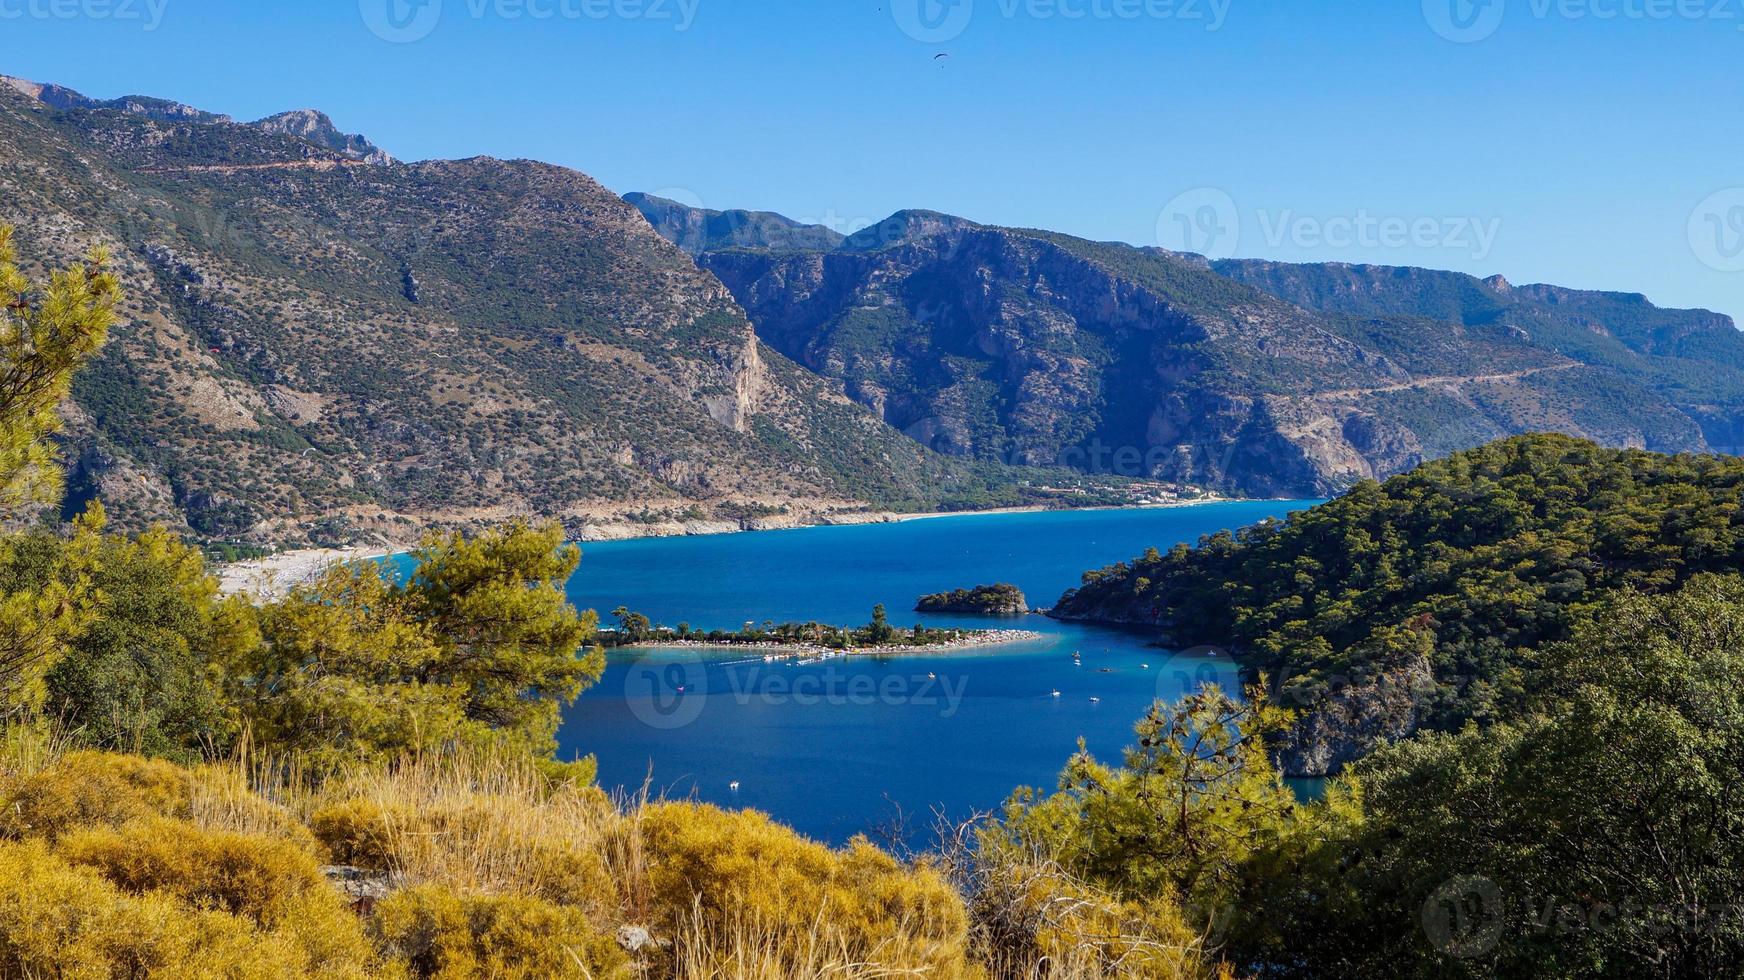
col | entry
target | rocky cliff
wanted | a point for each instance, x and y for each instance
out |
(1041, 349)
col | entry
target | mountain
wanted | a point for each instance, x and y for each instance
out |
(320, 344)
(1693, 358)
(697, 230)
(1039, 348)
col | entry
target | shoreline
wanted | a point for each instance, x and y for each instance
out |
(978, 641)
(270, 577)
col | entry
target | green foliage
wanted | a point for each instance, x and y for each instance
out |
(1001, 599)
(47, 332)
(1196, 798)
(1596, 837)
(479, 645)
(1492, 552)
(138, 677)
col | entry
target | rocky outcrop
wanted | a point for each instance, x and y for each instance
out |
(308, 124)
(1341, 720)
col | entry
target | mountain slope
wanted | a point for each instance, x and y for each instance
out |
(1694, 358)
(1039, 348)
(311, 340)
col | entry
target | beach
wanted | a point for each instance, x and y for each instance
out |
(273, 576)
(976, 640)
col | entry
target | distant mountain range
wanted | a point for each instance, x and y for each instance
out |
(323, 343)
(1253, 377)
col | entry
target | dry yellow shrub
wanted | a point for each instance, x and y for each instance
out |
(259, 877)
(740, 873)
(65, 922)
(444, 936)
(504, 831)
(91, 789)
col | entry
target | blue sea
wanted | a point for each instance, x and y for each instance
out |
(840, 747)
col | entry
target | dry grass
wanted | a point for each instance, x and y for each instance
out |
(498, 871)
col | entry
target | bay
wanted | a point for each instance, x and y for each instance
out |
(856, 745)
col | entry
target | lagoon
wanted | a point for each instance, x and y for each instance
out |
(877, 745)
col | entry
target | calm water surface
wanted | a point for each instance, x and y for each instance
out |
(845, 746)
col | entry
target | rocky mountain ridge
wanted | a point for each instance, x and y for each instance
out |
(1037, 348)
(319, 347)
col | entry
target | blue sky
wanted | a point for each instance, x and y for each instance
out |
(1590, 143)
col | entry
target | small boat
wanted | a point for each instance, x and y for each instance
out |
(1056, 694)
(932, 677)
(1095, 700)
(734, 786)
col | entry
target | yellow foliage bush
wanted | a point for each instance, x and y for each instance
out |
(91, 789)
(274, 884)
(719, 872)
(444, 936)
(506, 832)
(65, 922)
(250, 875)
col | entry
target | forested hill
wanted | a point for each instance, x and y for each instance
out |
(1418, 603)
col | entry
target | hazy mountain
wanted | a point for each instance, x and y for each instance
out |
(697, 230)
(1000, 343)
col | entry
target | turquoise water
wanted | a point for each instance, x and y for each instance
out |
(854, 745)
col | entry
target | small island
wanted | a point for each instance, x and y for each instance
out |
(877, 638)
(983, 600)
